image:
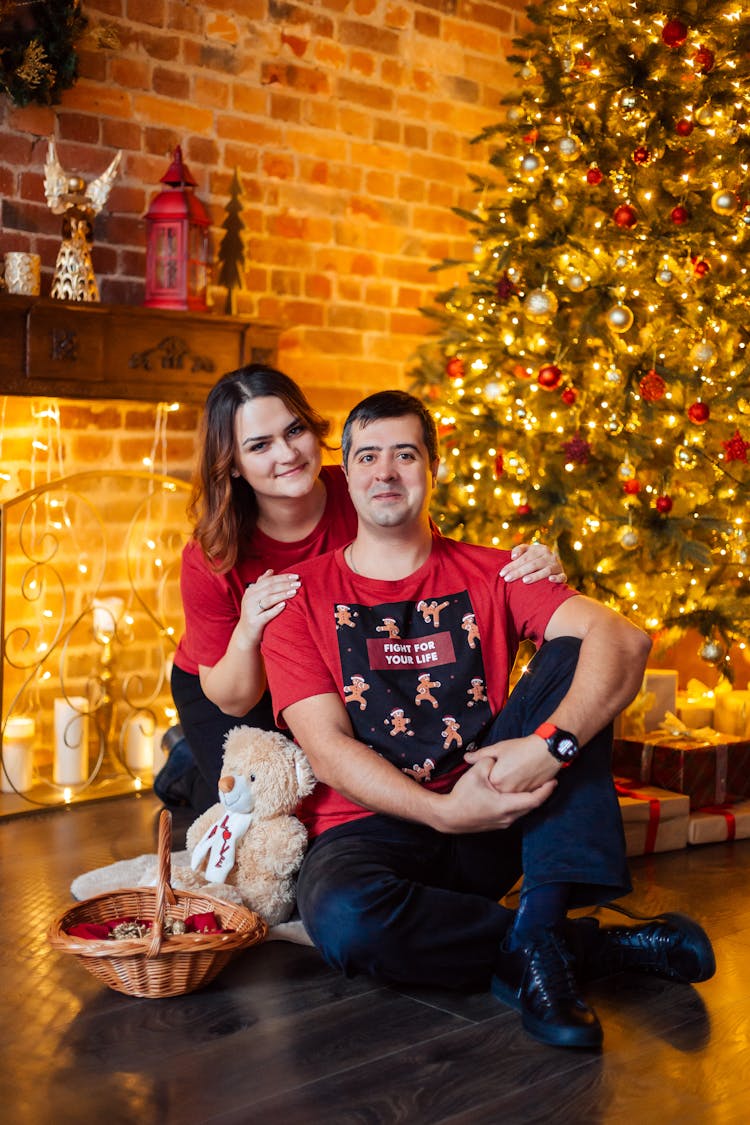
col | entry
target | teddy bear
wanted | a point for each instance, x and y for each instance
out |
(245, 849)
(250, 840)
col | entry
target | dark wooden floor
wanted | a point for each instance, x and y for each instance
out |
(279, 1037)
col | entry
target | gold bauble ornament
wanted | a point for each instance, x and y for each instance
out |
(560, 203)
(626, 471)
(515, 115)
(532, 164)
(664, 277)
(704, 114)
(724, 202)
(576, 282)
(569, 148)
(685, 457)
(613, 375)
(629, 538)
(703, 353)
(540, 305)
(620, 318)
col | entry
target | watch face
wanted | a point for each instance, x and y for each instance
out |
(566, 748)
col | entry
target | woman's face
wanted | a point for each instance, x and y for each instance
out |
(275, 452)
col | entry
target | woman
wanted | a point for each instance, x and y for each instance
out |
(261, 503)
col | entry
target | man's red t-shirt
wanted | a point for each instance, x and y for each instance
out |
(422, 664)
(212, 601)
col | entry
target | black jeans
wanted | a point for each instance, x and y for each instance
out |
(205, 727)
(408, 905)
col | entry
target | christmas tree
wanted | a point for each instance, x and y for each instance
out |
(590, 375)
(232, 249)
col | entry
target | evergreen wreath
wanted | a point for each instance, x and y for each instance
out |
(37, 48)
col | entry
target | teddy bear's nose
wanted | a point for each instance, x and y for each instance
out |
(226, 784)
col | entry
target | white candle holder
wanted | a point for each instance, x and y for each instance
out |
(71, 759)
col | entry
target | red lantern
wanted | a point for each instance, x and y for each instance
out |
(177, 243)
(625, 216)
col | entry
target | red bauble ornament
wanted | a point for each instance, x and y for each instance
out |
(521, 372)
(499, 465)
(524, 509)
(569, 395)
(679, 215)
(632, 487)
(700, 267)
(699, 412)
(625, 216)
(549, 376)
(641, 155)
(684, 127)
(674, 33)
(652, 386)
(664, 504)
(504, 288)
(594, 175)
(736, 448)
(455, 368)
(704, 60)
(583, 62)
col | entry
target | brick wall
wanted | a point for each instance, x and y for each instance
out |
(349, 124)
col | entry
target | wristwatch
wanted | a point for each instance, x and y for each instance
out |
(562, 745)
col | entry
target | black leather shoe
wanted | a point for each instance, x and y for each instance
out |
(672, 946)
(537, 980)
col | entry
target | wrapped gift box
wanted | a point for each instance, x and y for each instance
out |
(711, 825)
(710, 772)
(654, 820)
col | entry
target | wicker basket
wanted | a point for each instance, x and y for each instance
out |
(156, 965)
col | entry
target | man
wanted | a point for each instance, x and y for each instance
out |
(425, 816)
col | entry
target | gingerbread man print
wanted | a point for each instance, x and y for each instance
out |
(450, 734)
(476, 691)
(398, 723)
(424, 690)
(344, 616)
(356, 691)
(389, 626)
(431, 611)
(423, 772)
(470, 627)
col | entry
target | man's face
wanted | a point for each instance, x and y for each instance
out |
(389, 472)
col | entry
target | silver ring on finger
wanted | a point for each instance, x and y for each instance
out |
(261, 608)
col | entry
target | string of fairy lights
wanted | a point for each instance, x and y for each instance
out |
(590, 376)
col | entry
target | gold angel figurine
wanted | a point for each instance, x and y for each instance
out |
(78, 203)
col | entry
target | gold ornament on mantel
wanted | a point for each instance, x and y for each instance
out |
(79, 204)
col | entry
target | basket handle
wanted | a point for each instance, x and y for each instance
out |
(164, 892)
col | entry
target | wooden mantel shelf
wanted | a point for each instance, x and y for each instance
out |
(62, 349)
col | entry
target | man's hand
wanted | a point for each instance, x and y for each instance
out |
(517, 765)
(475, 805)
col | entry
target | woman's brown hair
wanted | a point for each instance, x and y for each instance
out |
(223, 508)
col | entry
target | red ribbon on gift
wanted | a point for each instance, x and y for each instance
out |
(625, 788)
(726, 812)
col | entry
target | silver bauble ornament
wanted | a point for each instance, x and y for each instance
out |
(528, 70)
(613, 376)
(620, 318)
(703, 353)
(621, 261)
(664, 277)
(492, 390)
(711, 651)
(540, 305)
(569, 148)
(629, 538)
(576, 282)
(532, 164)
(560, 203)
(515, 115)
(724, 202)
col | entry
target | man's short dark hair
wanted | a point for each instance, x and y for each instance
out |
(390, 404)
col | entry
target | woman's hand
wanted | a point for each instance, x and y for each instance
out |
(532, 562)
(263, 600)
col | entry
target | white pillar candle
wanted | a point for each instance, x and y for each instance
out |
(18, 755)
(71, 761)
(107, 612)
(732, 712)
(160, 754)
(139, 743)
